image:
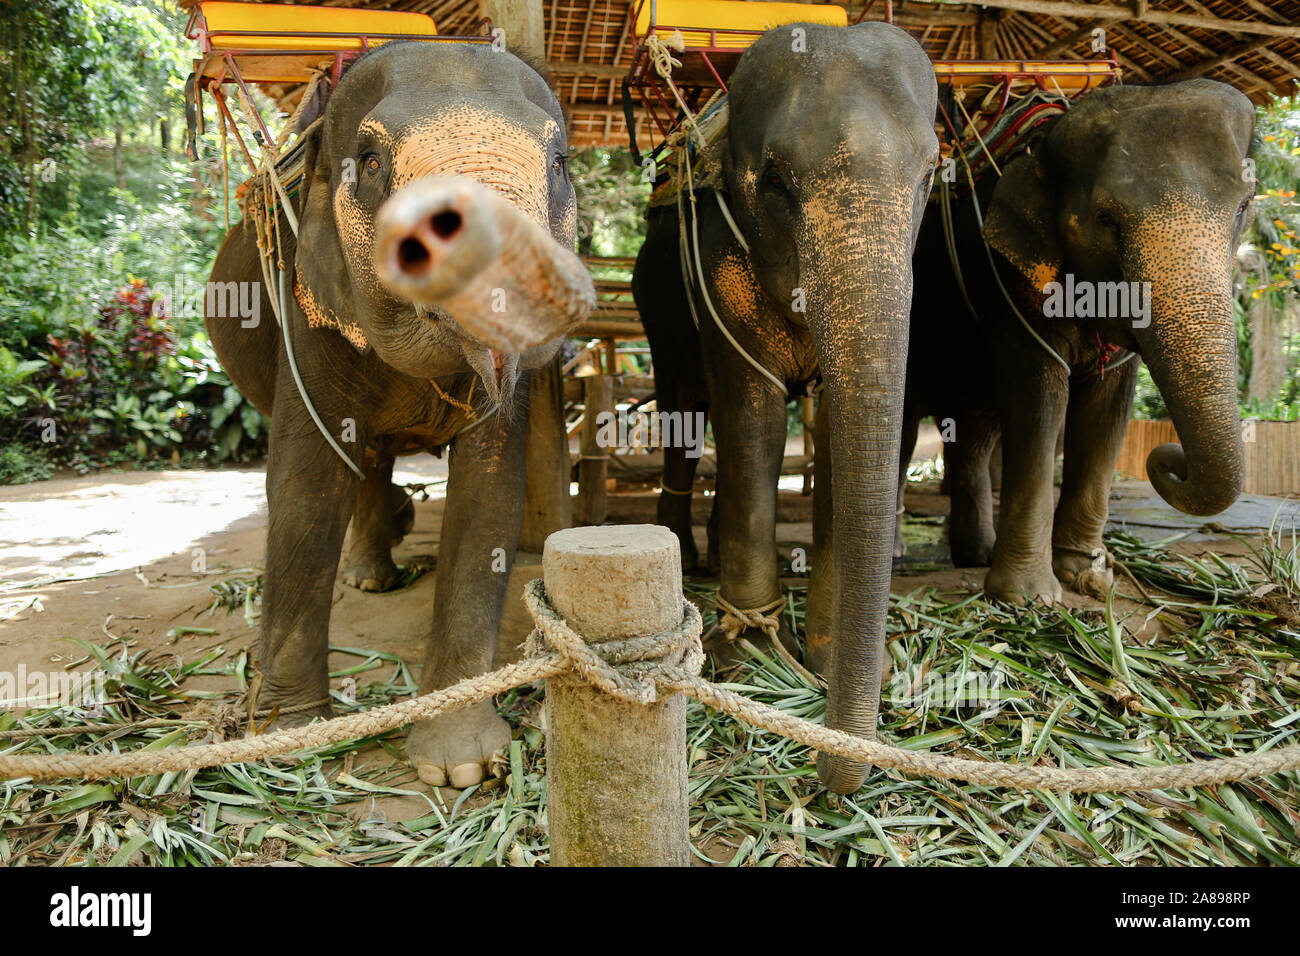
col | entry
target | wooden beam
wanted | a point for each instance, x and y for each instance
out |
(1067, 42)
(987, 32)
(908, 15)
(1240, 50)
(1124, 61)
(522, 22)
(600, 70)
(1106, 11)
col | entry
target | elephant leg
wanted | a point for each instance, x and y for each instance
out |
(713, 564)
(384, 514)
(480, 531)
(820, 620)
(1094, 432)
(310, 497)
(675, 495)
(911, 426)
(1022, 554)
(749, 428)
(970, 492)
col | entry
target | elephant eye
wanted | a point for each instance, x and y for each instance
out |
(773, 180)
(1245, 204)
(557, 165)
(1106, 220)
(372, 163)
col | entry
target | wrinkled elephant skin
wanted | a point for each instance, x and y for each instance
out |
(427, 154)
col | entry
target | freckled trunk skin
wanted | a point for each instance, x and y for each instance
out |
(500, 275)
(859, 303)
(1191, 349)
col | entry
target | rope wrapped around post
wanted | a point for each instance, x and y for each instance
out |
(629, 666)
(635, 670)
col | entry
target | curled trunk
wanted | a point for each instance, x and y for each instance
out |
(1190, 347)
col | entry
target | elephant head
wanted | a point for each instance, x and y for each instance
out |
(829, 163)
(1150, 185)
(437, 227)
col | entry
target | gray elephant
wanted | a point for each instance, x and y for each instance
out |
(1113, 229)
(826, 168)
(433, 270)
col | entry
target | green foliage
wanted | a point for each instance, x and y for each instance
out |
(611, 201)
(20, 464)
(84, 343)
(1277, 212)
(126, 385)
(77, 68)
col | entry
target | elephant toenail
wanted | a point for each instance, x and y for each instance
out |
(466, 775)
(432, 774)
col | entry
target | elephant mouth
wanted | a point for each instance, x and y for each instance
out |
(497, 370)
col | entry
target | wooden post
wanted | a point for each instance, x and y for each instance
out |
(547, 507)
(593, 470)
(522, 21)
(616, 771)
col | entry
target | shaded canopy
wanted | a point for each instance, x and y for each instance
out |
(1253, 45)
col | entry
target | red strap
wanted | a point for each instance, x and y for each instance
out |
(1108, 352)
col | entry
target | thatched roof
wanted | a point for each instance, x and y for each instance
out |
(1253, 45)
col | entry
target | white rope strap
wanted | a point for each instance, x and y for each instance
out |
(663, 64)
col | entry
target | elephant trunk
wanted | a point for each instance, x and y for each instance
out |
(861, 338)
(450, 243)
(1190, 348)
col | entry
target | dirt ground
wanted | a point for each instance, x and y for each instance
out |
(131, 556)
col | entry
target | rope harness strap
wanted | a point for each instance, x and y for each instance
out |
(643, 670)
(706, 134)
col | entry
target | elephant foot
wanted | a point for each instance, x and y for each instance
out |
(971, 547)
(728, 654)
(287, 713)
(455, 749)
(374, 572)
(1088, 573)
(1021, 586)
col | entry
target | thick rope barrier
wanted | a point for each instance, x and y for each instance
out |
(644, 670)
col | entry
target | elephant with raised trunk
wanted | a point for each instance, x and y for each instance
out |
(1136, 196)
(433, 269)
(828, 161)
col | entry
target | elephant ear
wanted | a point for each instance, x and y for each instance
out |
(1020, 221)
(321, 281)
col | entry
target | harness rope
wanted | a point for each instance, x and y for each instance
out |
(643, 670)
(271, 199)
(664, 62)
